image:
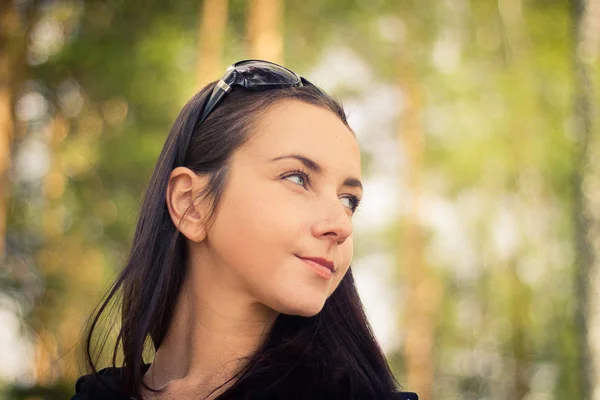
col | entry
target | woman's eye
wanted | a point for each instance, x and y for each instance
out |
(303, 179)
(354, 202)
(298, 177)
(351, 204)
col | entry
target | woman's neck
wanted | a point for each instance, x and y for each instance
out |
(214, 330)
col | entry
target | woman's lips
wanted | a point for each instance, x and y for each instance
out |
(323, 261)
(321, 270)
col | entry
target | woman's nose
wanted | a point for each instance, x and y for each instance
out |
(335, 222)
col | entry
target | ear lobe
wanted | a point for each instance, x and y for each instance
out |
(186, 210)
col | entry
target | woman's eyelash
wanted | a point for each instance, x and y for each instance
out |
(355, 200)
(306, 176)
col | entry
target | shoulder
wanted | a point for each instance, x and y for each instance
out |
(99, 386)
(405, 396)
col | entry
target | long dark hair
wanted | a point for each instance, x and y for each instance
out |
(330, 355)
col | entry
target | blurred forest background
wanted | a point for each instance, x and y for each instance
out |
(478, 243)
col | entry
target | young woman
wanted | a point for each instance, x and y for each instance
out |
(239, 272)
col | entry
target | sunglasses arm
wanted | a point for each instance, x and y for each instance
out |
(220, 90)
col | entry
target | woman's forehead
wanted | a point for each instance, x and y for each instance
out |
(295, 127)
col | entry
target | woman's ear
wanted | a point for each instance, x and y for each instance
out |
(184, 188)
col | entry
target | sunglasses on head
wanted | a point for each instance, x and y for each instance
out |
(252, 75)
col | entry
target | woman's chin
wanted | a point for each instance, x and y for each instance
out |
(306, 307)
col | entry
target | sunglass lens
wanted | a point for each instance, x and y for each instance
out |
(259, 73)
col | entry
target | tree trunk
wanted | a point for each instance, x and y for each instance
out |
(213, 21)
(265, 30)
(8, 22)
(423, 292)
(14, 35)
(587, 315)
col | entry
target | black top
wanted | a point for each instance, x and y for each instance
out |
(88, 387)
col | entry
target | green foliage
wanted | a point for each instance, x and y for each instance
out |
(496, 119)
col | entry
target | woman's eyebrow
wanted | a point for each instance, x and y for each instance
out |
(314, 166)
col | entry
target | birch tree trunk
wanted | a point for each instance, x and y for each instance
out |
(14, 37)
(422, 294)
(211, 34)
(8, 22)
(265, 30)
(586, 201)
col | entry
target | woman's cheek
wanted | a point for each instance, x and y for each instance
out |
(347, 250)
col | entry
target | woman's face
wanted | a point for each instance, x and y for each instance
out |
(289, 195)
